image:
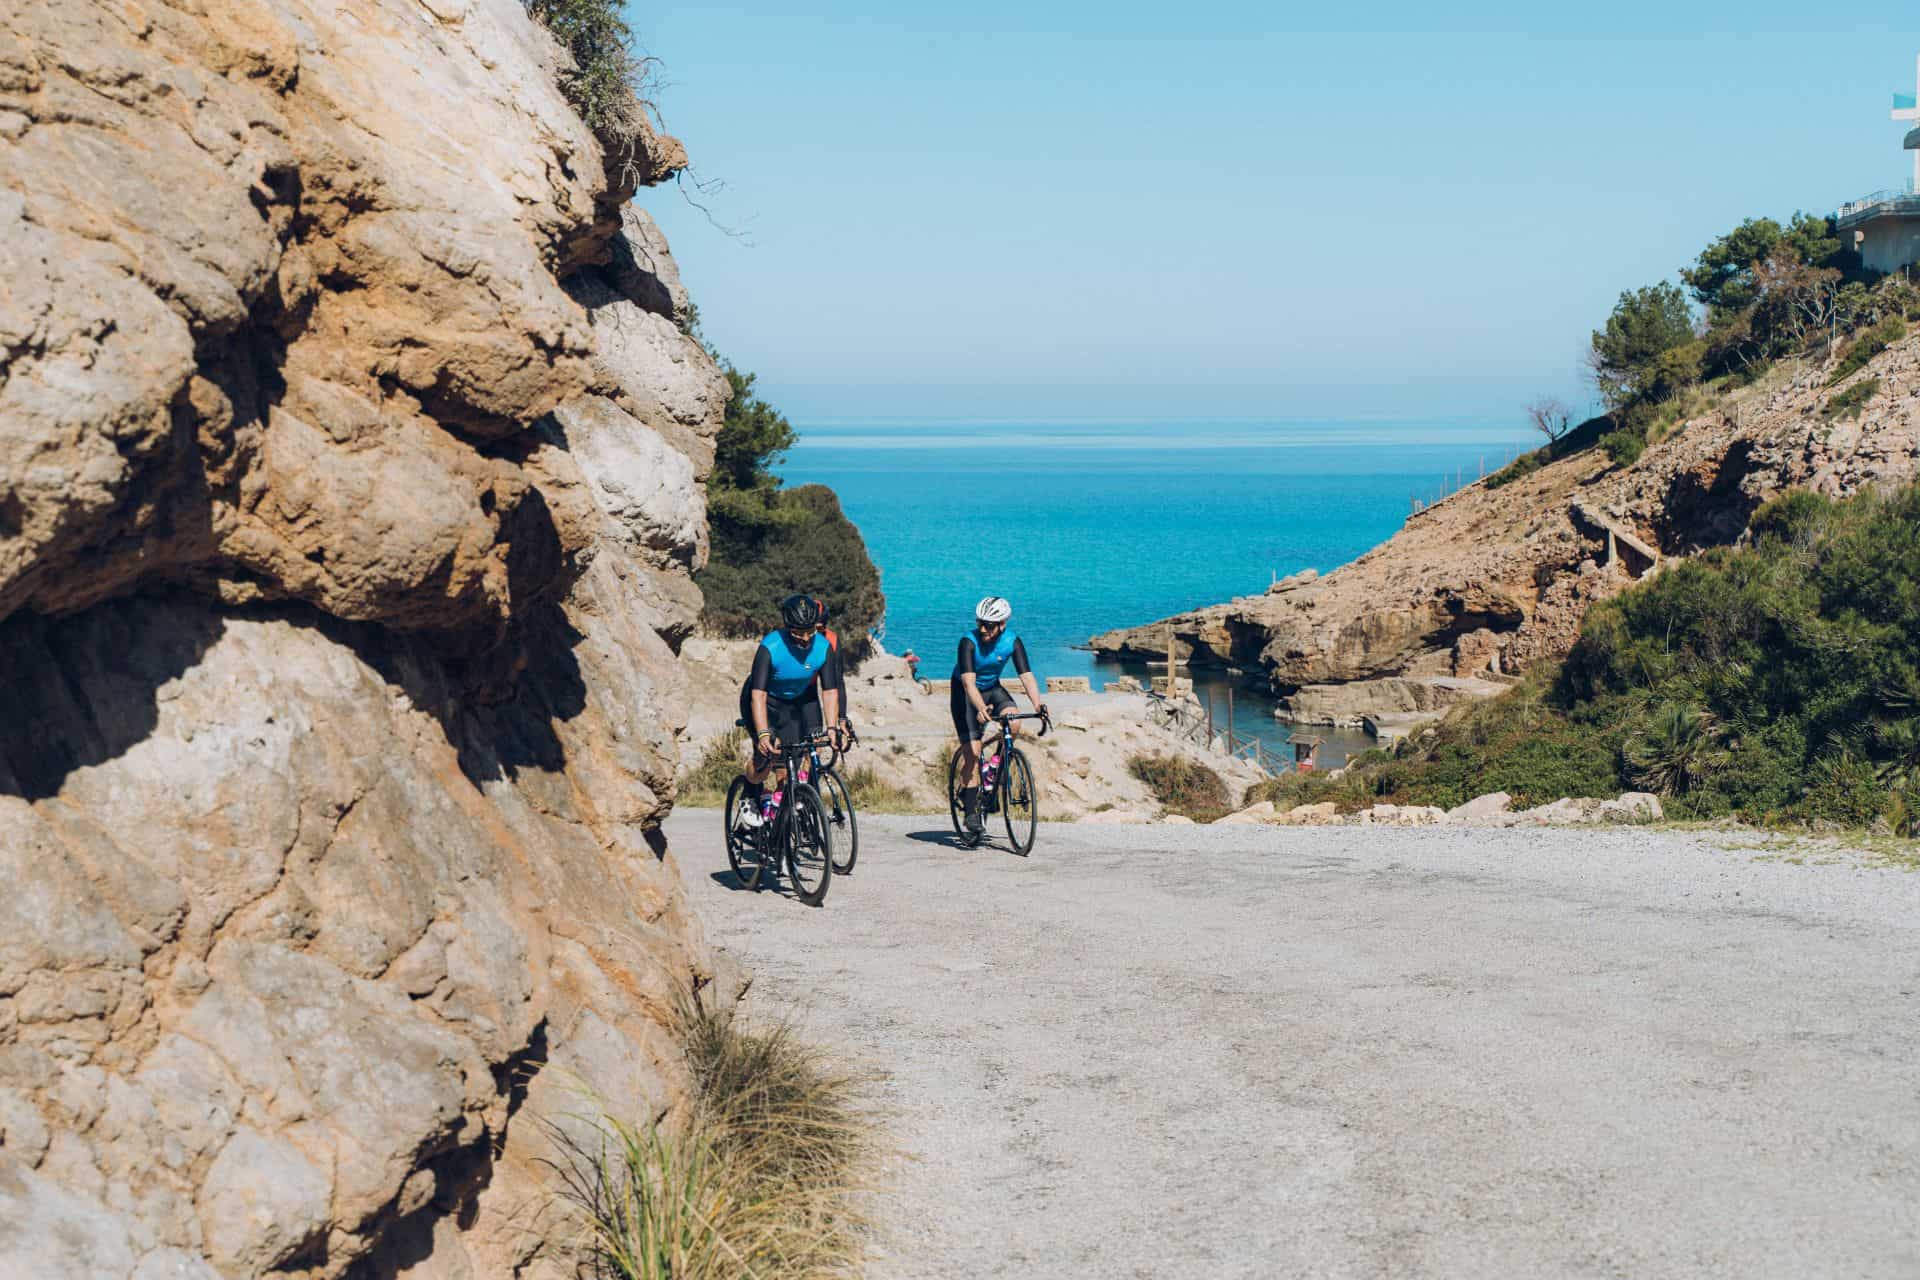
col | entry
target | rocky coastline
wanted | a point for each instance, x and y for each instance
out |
(1483, 585)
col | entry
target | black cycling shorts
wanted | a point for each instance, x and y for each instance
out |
(790, 721)
(965, 722)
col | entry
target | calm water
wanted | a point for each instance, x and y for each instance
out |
(1089, 526)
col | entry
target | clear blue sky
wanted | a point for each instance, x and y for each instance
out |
(1234, 209)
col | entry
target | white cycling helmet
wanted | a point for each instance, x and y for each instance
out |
(993, 609)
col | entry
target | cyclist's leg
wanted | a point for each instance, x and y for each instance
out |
(787, 720)
(757, 764)
(811, 719)
(967, 727)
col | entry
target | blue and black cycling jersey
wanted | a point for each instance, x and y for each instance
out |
(988, 663)
(782, 673)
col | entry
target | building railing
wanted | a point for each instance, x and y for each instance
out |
(1892, 200)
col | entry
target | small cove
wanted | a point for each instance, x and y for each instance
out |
(1086, 526)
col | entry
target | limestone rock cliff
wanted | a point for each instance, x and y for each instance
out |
(1490, 581)
(351, 462)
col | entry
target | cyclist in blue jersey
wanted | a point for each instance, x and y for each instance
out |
(793, 689)
(980, 694)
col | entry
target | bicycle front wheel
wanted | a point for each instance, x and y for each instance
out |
(743, 843)
(809, 839)
(846, 827)
(1020, 803)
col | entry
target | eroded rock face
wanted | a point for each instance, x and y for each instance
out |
(351, 456)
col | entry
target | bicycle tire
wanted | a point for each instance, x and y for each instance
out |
(955, 810)
(743, 845)
(1019, 792)
(808, 838)
(846, 824)
(926, 686)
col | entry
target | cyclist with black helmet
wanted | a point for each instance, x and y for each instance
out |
(980, 694)
(793, 689)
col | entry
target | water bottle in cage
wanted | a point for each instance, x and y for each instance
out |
(989, 768)
(806, 768)
(770, 804)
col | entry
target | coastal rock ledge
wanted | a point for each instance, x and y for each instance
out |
(351, 463)
(1476, 588)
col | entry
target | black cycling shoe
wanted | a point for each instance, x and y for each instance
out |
(974, 820)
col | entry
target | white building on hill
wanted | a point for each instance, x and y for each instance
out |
(1886, 225)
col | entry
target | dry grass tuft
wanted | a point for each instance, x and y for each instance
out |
(705, 785)
(764, 1179)
(1183, 786)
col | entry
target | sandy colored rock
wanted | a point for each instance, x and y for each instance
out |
(1486, 808)
(350, 492)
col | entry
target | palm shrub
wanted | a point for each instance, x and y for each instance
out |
(1678, 751)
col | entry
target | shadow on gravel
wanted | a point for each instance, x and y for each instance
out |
(948, 840)
(768, 884)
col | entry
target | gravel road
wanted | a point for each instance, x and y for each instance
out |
(1176, 1051)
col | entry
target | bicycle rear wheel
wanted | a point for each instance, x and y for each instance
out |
(743, 843)
(846, 827)
(809, 842)
(1020, 803)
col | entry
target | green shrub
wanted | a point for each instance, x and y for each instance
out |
(1842, 790)
(1624, 446)
(608, 82)
(1524, 465)
(1848, 404)
(1183, 786)
(1679, 749)
(1868, 345)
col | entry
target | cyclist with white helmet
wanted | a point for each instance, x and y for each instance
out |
(980, 694)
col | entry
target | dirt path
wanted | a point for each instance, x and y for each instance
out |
(1163, 1051)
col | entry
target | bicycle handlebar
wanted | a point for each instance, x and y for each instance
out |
(1045, 718)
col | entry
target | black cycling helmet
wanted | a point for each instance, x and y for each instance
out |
(797, 613)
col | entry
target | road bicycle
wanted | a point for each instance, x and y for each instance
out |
(799, 833)
(1006, 786)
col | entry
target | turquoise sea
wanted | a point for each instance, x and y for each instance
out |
(1088, 526)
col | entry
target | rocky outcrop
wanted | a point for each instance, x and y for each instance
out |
(350, 490)
(1490, 581)
(1353, 703)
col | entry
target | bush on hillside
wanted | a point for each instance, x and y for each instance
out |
(1778, 682)
(1624, 446)
(1868, 345)
(608, 83)
(1183, 786)
(1849, 403)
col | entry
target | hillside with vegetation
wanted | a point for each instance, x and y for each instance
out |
(1775, 364)
(1777, 682)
